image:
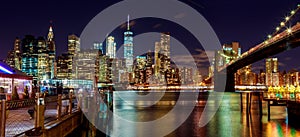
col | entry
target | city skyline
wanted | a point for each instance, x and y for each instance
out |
(205, 8)
(150, 68)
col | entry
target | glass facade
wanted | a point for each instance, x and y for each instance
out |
(128, 49)
(29, 56)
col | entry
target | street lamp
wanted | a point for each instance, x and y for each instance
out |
(287, 18)
(289, 30)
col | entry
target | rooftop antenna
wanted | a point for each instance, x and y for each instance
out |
(128, 24)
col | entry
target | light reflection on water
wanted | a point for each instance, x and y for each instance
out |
(228, 121)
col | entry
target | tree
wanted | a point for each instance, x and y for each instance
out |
(15, 95)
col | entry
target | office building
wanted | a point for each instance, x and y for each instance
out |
(51, 51)
(272, 73)
(111, 47)
(30, 56)
(128, 47)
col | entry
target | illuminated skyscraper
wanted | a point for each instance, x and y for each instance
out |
(139, 70)
(17, 54)
(162, 54)
(271, 65)
(149, 68)
(111, 47)
(73, 49)
(62, 67)
(104, 73)
(128, 47)
(272, 74)
(10, 59)
(52, 51)
(98, 46)
(44, 67)
(246, 76)
(156, 59)
(30, 56)
(228, 53)
(14, 57)
(165, 45)
(73, 44)
(84, 64)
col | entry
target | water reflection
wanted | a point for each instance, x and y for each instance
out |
(228, 121)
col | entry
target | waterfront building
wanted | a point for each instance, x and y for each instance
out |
(85, 64)
(272, 73)
(139, 70)
(162, 56)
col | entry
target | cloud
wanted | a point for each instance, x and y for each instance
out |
(202, 64)
(200, 59)
(281, 64)
(156, 26)
(180, 16)
(204, 54)
(124, 25)
(287, 58)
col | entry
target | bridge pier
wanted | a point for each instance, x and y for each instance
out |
(224, 82)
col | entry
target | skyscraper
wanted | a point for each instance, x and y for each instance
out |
(14, 57)
(52, 50)
(17, 54)
(128, 47)
(84, 64)
(139, 70)
(30, 56)
(98, 46)
(156, 59)
(44, 68)
(73, 49)
(73, 44)
(62, 63)
(111, 47)
(272, 74)
(162, 54)
(228, 53)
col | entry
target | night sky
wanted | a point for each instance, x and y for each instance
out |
(245, 21)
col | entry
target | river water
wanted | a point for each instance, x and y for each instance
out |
(184, 114)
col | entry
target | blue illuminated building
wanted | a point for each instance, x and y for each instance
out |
(98, 46)
(30, 56)
(128, 47)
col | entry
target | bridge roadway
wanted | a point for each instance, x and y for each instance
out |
(286, 40)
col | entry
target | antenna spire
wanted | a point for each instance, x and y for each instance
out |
(128, 23)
